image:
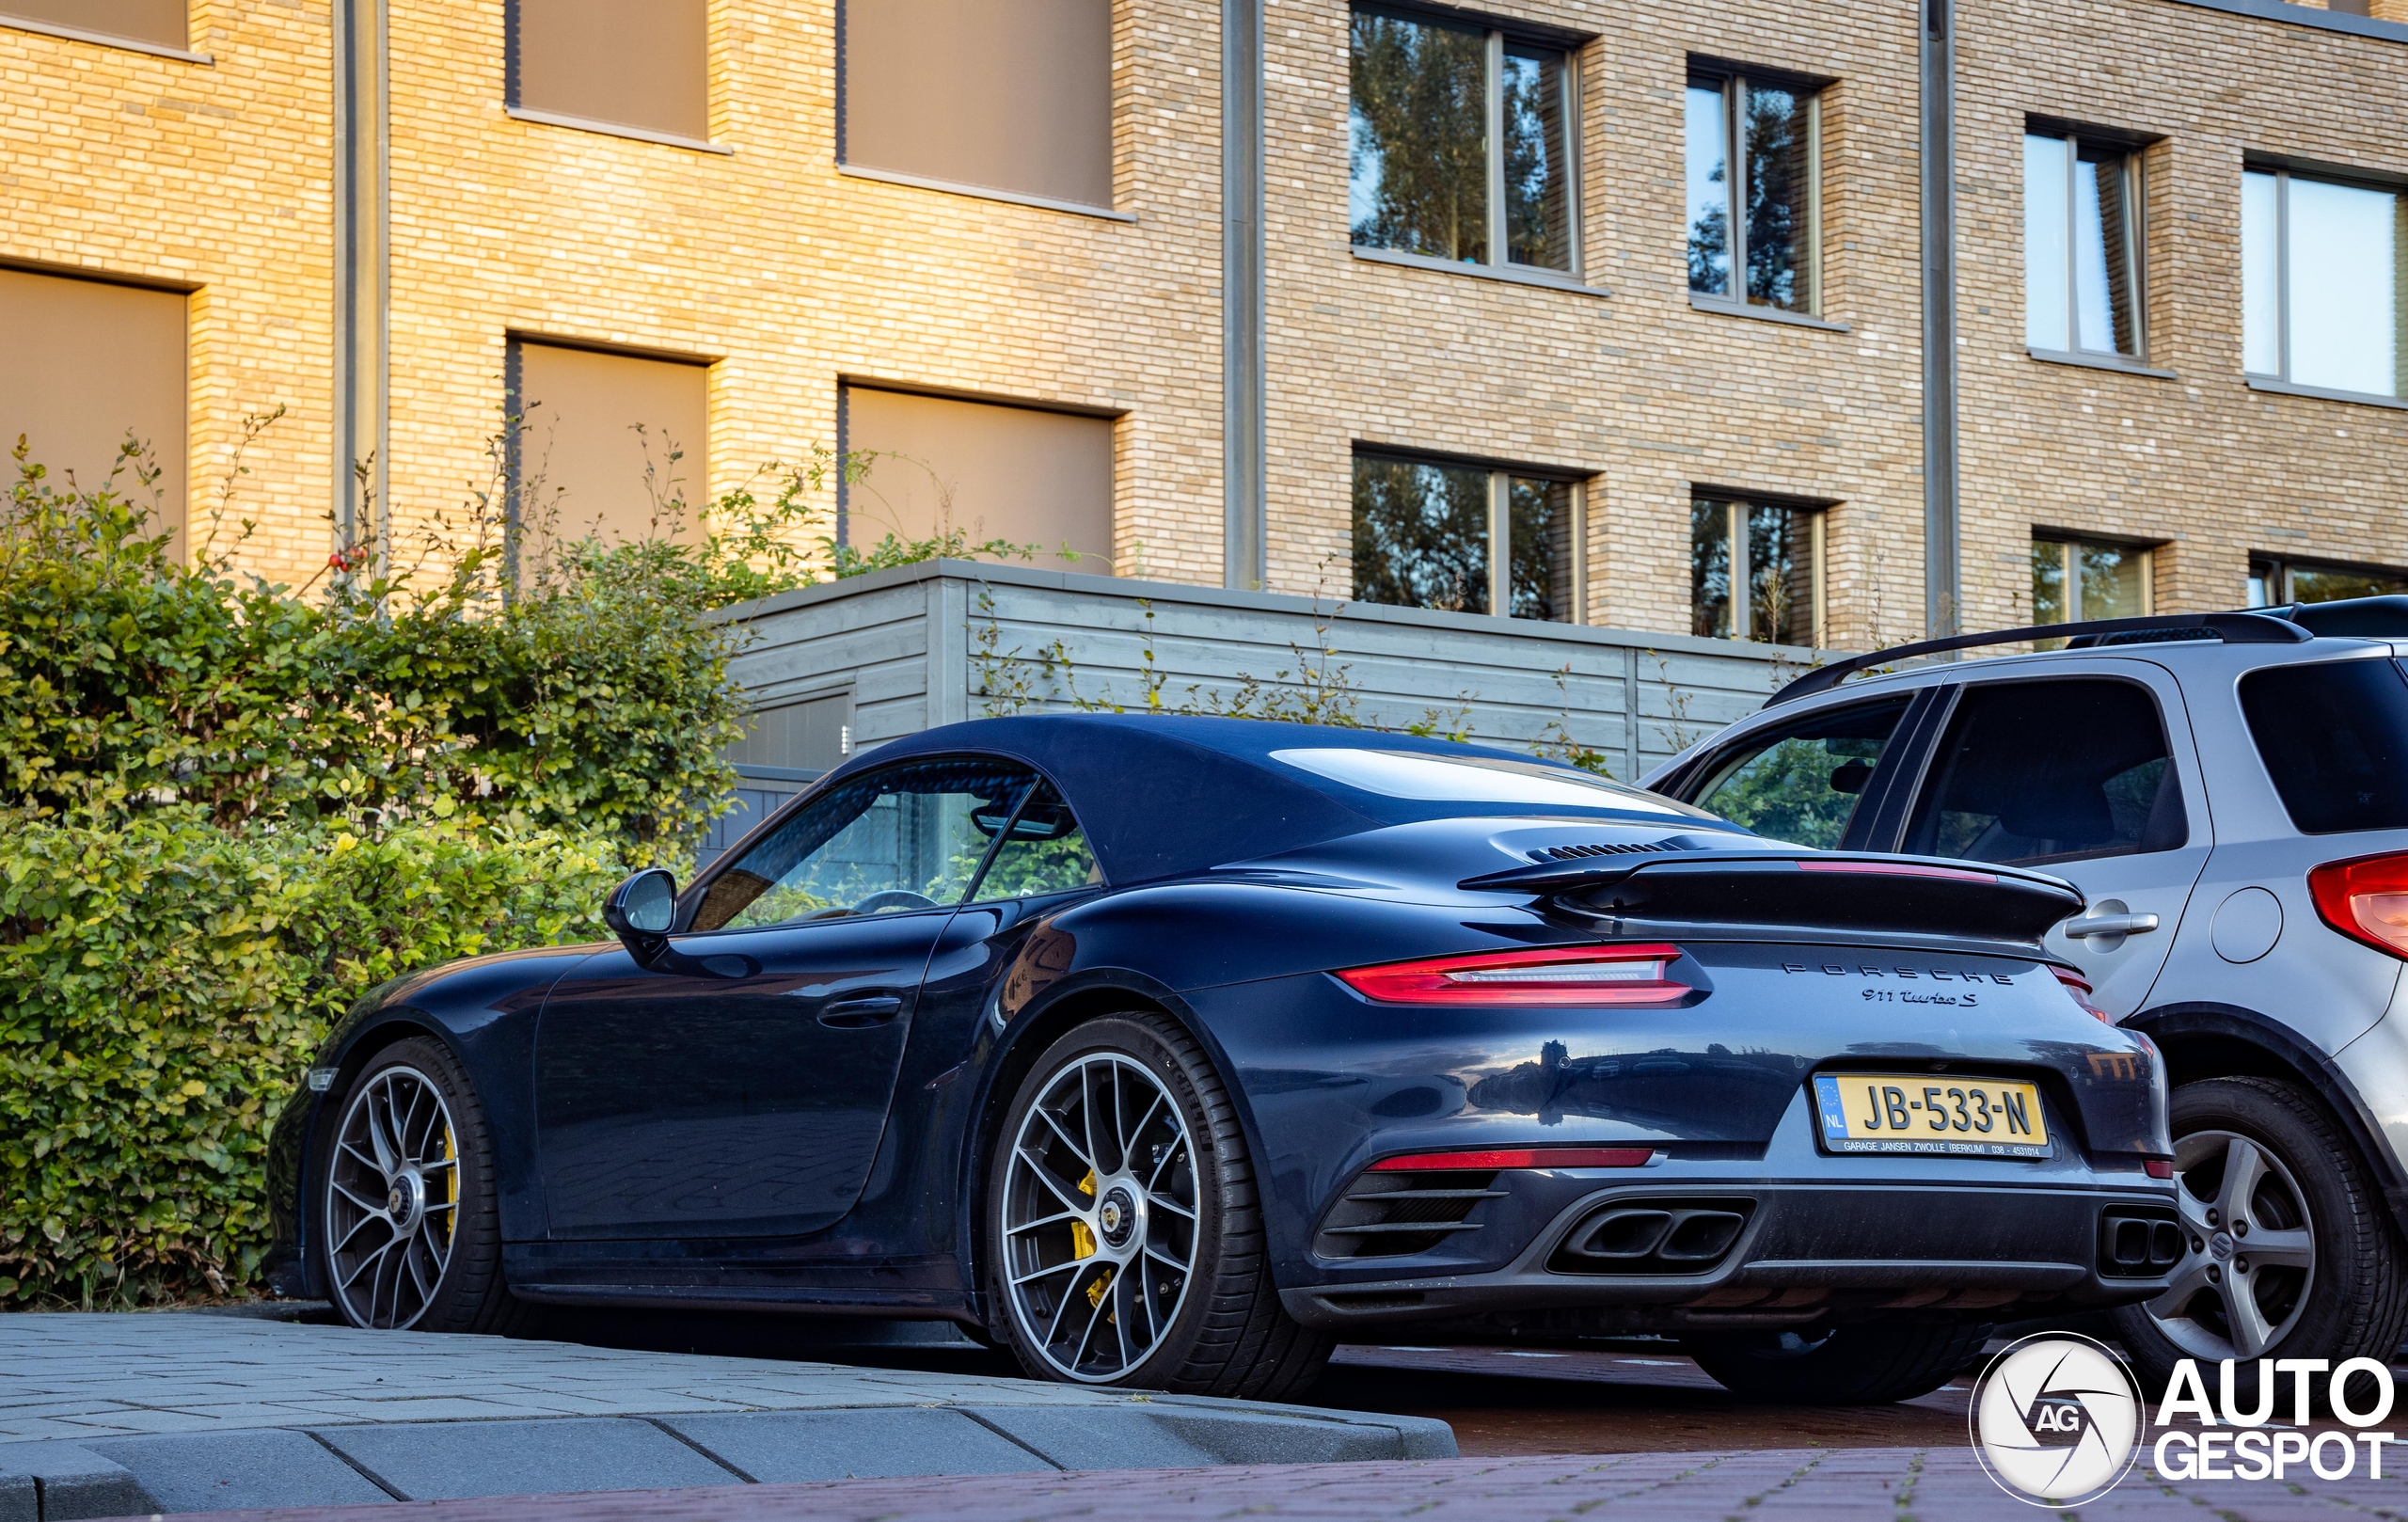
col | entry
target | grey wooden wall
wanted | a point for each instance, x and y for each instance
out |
(928, 644)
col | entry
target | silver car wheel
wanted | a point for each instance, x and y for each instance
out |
(393, 1199)
(2249, 1258)
(1098, 1218)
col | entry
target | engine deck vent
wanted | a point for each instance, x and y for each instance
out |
(1575, 854)
(2138, 1242)
(1654, 1236)
(1394, 1214)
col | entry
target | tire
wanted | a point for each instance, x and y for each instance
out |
(1868, 1363)
(1085, 1234)
(406, 1231)
(2311, 1190)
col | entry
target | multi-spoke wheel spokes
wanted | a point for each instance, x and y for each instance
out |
(393, 1199)
(1100, 1217)
(2249, 1249)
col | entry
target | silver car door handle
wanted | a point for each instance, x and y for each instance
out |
(2090, 925)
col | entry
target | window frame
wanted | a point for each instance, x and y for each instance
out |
(2134, 171)
(2068, 543)
(1930, 769)
(1501, 526)
(2279, 380)
(1500, 35)
(2283, 565)
(693, 897)
(1733, 81)
(1735, 508)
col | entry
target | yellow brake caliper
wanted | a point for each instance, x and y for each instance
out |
(1082, 1237)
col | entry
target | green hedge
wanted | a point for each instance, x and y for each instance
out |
(163, 983)
(229, 808)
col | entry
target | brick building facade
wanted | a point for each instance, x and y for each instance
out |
(1011, 240)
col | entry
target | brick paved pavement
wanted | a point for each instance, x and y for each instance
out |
(1902, 1484)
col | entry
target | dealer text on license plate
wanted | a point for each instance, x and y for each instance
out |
(1939, 1113)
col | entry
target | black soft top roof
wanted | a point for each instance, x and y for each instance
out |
(1167, 795)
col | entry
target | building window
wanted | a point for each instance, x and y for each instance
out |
(76, 415)
(1468, 539)
(2074, 581)
(939, 464)
(159, 23)
(1772, 556)
(979, 95)
(1460, 144)
(2081, 247)
(2276, 584)
(1765, 138)
(644, 64)
(607, 446)
(2320, 263)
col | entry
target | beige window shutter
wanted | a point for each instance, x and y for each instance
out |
(993, 471)
(158, 21)
(1007, 94)
(91, 362)
(635, 63)
(581, 461)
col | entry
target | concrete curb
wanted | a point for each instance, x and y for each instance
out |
(365, 1463)
(105, 1416)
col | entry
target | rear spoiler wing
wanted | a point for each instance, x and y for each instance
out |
(1804, 889)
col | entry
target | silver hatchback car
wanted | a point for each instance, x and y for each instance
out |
(2230, 794)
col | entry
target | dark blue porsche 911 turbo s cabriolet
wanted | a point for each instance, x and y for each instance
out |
(1168, 1052)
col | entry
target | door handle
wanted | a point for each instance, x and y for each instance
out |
(2118, 926)
(862, 1011)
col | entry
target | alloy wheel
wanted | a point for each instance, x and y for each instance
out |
(393, 1199)
(1100, 1217)
(2249, 1258)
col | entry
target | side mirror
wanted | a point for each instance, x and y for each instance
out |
(639, 912)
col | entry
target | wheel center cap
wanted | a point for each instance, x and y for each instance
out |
(1117, 1216)
(405, 1200)
(2220, 1246)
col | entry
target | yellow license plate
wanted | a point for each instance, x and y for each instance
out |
(1947, 1115)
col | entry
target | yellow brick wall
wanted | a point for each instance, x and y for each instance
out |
(1638, 387)
(789, 275)
(212, 175)
(2199, 461)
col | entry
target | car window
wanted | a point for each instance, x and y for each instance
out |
(2333, 736)
(1802, 780)
(1423, 776)
(887, 842)
(1045, 852)
(2050, 771)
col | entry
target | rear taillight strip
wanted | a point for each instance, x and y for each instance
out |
(1625, 974)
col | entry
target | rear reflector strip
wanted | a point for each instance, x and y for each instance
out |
(2161, 1167)
(1537, 1157)
(1898, 869)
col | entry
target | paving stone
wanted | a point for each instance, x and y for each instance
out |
(60, 1481)
(772, 1446)
(217, 1472)
(453, 1461)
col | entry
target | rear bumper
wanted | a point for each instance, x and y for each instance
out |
(1808, 1250)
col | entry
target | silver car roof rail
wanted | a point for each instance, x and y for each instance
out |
(2270, 625)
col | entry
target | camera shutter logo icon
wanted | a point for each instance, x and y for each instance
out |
(2057, 1420)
